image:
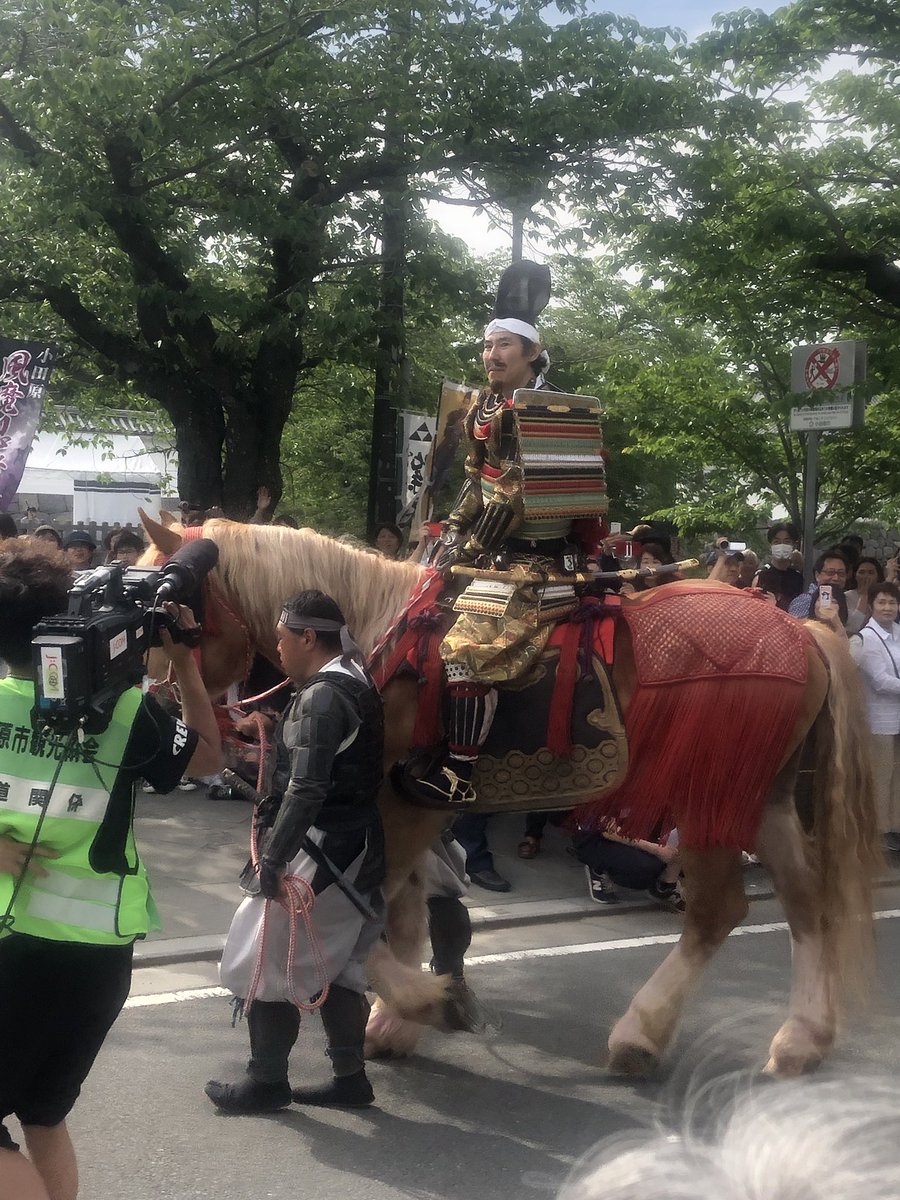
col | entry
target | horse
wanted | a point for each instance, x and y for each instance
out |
(822, 873)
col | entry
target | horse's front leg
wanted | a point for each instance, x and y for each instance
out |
(808, 1033)
(714, 892)
(388, 1034)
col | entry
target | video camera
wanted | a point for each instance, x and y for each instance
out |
(86, 657)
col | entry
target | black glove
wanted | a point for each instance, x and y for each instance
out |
(450, 551)
(270, 876)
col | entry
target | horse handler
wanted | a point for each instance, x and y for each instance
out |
(299, 943)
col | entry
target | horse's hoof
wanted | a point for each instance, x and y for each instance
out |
(636, 1061)
(798, 1048)
(791, 1066)
(388, 1036)
(462, 1011)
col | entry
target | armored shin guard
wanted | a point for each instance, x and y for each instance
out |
(472, 708)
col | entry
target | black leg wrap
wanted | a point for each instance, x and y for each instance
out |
(273, 1026)
(450, 929)
(344, 1015)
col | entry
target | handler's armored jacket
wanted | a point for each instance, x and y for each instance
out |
(328, 770)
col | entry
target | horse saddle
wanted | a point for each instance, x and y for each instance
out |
(557, 738)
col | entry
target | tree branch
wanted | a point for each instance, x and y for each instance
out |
(210, 74)
(20, 138)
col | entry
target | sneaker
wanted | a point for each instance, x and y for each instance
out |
(749, 860)
(188, 785)
(668, 895)
(601, 887)
(892, 842)
(148, 788)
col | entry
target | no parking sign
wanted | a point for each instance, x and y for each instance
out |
(827, 373)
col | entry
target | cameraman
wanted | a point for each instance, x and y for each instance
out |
(74, 894)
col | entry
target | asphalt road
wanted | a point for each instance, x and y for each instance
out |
(500, 1116)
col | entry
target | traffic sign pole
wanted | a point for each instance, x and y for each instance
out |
(810, 498)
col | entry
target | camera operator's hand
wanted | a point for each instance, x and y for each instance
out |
(181, 615)
(196, 710)
(13, 856)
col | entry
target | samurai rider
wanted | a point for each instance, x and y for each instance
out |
(327, 772)
(488, 518)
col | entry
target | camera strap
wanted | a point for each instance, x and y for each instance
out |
(7, 921)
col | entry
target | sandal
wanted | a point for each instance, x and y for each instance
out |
(529, 847)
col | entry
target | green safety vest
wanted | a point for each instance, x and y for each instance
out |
(73, 902)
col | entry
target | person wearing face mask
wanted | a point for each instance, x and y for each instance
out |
(778, 576)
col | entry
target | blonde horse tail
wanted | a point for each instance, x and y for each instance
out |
(845, 829)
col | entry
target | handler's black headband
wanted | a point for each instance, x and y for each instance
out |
(297, 622)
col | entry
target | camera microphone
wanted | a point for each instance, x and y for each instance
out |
(186, 570)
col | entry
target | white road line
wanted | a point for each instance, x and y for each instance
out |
(206, 993)
(480, 960)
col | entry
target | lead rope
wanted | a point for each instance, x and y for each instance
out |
(298, 900)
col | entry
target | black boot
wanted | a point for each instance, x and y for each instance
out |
(249, 1096)
(344, 1015)
(344, 1091)
(273, 1030)
(450, 930)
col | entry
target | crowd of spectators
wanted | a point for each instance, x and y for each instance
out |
(849, 591)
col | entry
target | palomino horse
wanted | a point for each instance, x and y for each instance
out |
(822, 880)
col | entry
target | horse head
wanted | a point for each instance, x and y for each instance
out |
(227, 645)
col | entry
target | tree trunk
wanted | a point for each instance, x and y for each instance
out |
(199, 437)
(252, 457)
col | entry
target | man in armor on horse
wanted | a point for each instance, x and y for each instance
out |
(490, 525)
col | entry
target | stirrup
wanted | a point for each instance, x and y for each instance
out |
(443, 790)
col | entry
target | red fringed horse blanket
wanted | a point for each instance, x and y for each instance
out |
(720, 683)
(721, 675)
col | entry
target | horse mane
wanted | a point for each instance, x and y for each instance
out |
(261, 566)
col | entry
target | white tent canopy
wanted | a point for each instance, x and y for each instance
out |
(90, 477)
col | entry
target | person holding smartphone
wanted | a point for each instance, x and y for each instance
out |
(824, 599)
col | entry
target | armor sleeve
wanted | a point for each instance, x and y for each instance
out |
(322, 722)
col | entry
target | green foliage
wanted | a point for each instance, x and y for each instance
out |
(190, 193)
(775, 222)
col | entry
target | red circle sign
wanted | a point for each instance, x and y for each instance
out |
(823, 367)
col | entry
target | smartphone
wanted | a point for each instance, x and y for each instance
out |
(825, 595)
(615, 527)
(735, 547)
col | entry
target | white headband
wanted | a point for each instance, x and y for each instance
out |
(513, 325)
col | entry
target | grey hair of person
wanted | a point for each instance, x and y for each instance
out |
(827, 1139)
